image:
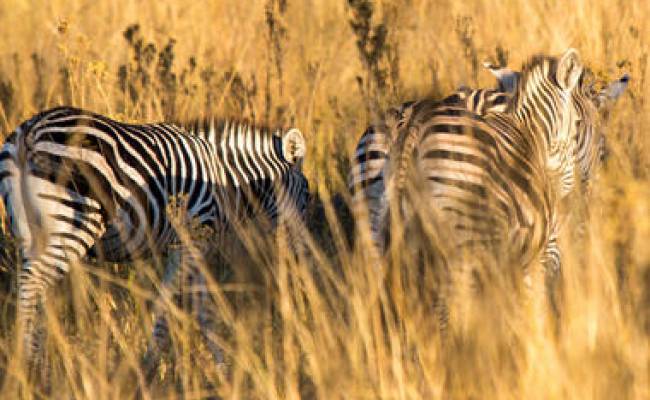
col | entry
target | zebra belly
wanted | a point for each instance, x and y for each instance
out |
(113, 246)
(127, 240)
(481, 228)
(124, 241)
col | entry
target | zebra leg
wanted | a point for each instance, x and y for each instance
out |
(170, 292)
(371, 202)
(170, 286)
(160, 341)
(193, 258)
(55, 229)
(32, 288)
(205, 315)
(37, 276)
(182, 276)
(552, 264)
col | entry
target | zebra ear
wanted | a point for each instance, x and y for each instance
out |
(293, 146)
(507, 79)
(569, 69)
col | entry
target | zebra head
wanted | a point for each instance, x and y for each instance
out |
(592, 109)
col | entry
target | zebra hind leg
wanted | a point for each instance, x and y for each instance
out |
(34, 280)
(160, 337)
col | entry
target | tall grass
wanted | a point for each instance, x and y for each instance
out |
(320, 326)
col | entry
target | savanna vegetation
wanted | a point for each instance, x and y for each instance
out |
(320, 326)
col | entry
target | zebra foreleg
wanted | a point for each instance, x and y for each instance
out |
(205, 316)
(552, 264)
(160, 337)
(193, 258)
(184, 284)
(170, 285)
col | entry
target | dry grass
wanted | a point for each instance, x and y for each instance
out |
(320, 327)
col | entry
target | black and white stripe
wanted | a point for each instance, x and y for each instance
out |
(76, 183)
(366, 179)
(492, 184)
(592, 100)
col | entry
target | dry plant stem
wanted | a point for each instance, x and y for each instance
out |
(334, 335)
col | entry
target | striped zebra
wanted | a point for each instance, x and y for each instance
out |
(490, 186)
(373, 149)
(76, 183)
(366, 179)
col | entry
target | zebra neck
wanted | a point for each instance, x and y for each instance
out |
(246, 155)
(543, 113)
(239, 139)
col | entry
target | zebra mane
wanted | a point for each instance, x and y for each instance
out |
(536, 63)
(565, 66)
(588, 85)
(213, 128)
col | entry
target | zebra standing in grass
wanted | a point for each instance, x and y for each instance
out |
(75, 183)
(373, 149)
(366, 180)
(490, 186)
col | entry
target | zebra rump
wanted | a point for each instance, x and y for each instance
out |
(367, 175)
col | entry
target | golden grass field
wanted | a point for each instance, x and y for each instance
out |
(321, 327)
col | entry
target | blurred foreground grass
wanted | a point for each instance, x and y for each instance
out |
(320, 327)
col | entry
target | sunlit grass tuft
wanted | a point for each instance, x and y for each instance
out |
(321, 325)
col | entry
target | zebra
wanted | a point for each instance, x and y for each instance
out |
(76, 183)
(491, 185)
(366, 177)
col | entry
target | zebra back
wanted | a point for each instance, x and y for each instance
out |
(367, 176)
(374, 145)
(512, 166)
(213, 130)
